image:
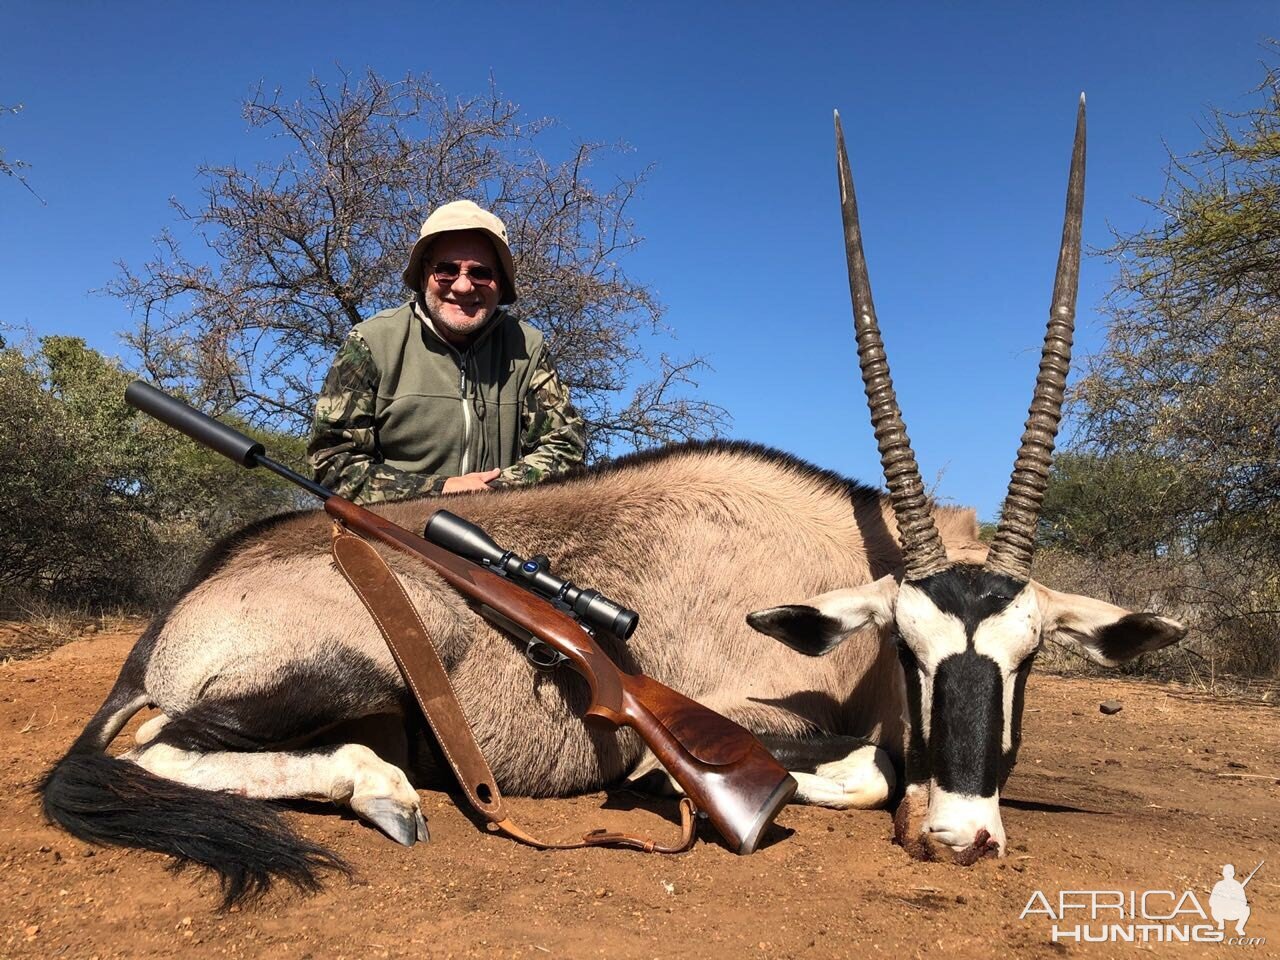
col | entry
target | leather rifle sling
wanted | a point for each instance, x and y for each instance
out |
(405, 634)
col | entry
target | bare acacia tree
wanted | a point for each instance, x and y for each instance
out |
(14, 168)
(305, 245)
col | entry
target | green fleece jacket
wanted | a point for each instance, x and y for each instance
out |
(402, 410)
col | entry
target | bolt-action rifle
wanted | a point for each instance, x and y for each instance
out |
(721, 767)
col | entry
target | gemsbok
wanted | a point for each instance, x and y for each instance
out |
(271, 681)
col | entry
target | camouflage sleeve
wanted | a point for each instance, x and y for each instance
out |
(552, 439)
(343, 450)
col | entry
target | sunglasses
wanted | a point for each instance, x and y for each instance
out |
(448, 271)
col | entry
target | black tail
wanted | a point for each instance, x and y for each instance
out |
(246, 843)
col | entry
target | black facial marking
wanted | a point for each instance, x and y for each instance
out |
(967, 724)
(303, 699)
(970, 593)
(800, 627)
(1010, 756)
(1134, 634)
(916, 761)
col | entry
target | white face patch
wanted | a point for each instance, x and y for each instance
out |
(1010, 635)
(931, 634)
(1008, 638)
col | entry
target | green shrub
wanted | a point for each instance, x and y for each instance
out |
(105, 507)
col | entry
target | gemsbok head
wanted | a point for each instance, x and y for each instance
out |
(966, 632)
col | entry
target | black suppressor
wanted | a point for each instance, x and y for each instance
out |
(228, 441)
(450, 531)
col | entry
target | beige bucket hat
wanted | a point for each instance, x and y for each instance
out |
(463, 215)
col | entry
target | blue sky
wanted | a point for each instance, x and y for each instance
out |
(958, 116)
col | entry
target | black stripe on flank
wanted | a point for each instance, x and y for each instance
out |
(303, 699)
(807, 754)
(967, 724)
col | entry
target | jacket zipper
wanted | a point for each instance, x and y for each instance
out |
(466, 420)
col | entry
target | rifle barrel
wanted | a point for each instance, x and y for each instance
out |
(204, 429)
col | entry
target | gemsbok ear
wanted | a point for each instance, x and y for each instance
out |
(1110, 635)
(822, 623)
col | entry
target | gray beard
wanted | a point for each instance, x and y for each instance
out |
(429, 303)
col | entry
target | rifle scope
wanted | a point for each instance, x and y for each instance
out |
(450, 531)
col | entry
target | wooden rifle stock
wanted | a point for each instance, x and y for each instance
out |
(721, 767)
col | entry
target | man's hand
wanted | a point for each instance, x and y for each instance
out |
(470, 481)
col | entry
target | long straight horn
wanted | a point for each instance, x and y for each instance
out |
(1014, 542)
(922, 549)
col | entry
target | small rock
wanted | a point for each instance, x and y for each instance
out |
(1110, 706)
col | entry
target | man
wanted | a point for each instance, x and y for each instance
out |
(446, 393)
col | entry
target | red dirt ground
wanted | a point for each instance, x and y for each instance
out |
(1158, 796)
